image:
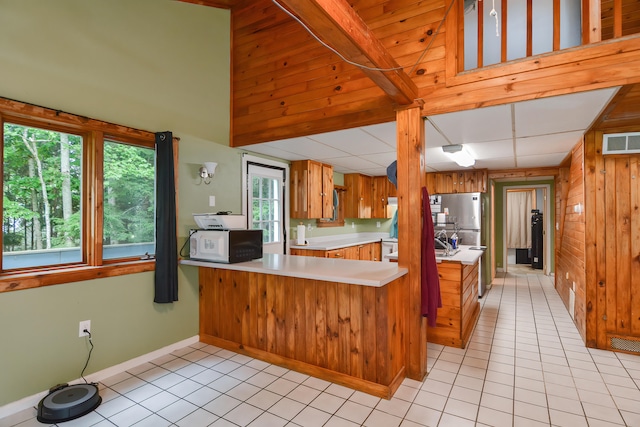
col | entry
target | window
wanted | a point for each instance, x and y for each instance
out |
(266, 208)
(41, 220)
(129, 200)
(266, 202)
(78, 201)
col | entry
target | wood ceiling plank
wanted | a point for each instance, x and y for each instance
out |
(346, 32)
(312, 123)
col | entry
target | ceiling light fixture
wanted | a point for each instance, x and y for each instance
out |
(459, 155)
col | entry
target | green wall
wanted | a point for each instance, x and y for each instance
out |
(150, 64)
(499, 222)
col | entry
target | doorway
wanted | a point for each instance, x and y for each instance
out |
(265, 200)
(523, 248)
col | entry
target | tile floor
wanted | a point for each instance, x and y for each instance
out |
(525, 366)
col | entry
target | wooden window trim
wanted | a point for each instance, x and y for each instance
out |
(94, 132)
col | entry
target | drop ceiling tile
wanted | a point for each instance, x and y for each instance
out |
(490, 150)
(343, 170)
(560, 113)
(382, 159)
(354, 163)
(547, 144)
(436, 155)
(476, 125)
(443, 166)
(308, 148)
(353, 141)
(380, 171)
(433, 138)
(541, 160)
(385, 132)
(496, 163)
(269, 150)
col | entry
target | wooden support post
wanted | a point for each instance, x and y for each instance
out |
(411, 179)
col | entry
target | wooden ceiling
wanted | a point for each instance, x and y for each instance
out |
(623, 112)
(286, 84)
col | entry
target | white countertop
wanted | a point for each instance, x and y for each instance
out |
(328, 243)
(366, 273)
(465, 256)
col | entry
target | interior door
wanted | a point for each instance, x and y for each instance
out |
(265, 201)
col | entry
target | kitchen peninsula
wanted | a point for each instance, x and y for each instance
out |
(339, 320)
(459, 275)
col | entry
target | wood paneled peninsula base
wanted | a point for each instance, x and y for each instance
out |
(338, 320)
(460, 306)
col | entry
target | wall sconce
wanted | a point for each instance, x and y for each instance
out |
(206, 172)
(459, 155)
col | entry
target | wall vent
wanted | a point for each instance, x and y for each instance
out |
(625, 345)
(621, 143)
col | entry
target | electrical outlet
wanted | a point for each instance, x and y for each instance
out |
(377, 224)
(212, 201)
(84, 324)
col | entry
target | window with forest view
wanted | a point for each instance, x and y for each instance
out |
(42, 203)
(129, 200)
(47, 186)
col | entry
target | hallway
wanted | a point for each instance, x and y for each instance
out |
(525, 366)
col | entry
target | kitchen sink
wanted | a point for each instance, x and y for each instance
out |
(441, 253)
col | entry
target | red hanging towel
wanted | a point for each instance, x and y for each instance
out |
(431, 299)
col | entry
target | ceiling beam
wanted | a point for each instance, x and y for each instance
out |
(338, 25)
(222, 4)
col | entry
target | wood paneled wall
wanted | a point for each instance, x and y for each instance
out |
(598, 209)
(613, 245)
(570, 236)
(349, 334)
(286, 84)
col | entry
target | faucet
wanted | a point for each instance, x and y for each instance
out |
(440, 235)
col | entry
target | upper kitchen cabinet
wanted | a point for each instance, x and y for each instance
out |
(311, 189)
(359, 193)
(380, 193)
(473, 181)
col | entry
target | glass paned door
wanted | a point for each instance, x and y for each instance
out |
(266, 206)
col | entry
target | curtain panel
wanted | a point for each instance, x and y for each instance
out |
(166, 279)
(519, 204)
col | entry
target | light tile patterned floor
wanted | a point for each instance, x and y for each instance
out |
(525, 366)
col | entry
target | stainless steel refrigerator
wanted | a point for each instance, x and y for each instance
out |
(460, 213)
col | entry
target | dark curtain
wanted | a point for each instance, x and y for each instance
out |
(166, 281)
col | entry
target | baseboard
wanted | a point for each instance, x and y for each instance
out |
(31, 401)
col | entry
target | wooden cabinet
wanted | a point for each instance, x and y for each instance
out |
(358, 199)
(368, 197)
(371, 252)
(380, 189)
(339, 332)
(460, 307)
(311, 190)
(365, 252)
(350, 252)
(473, 181)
